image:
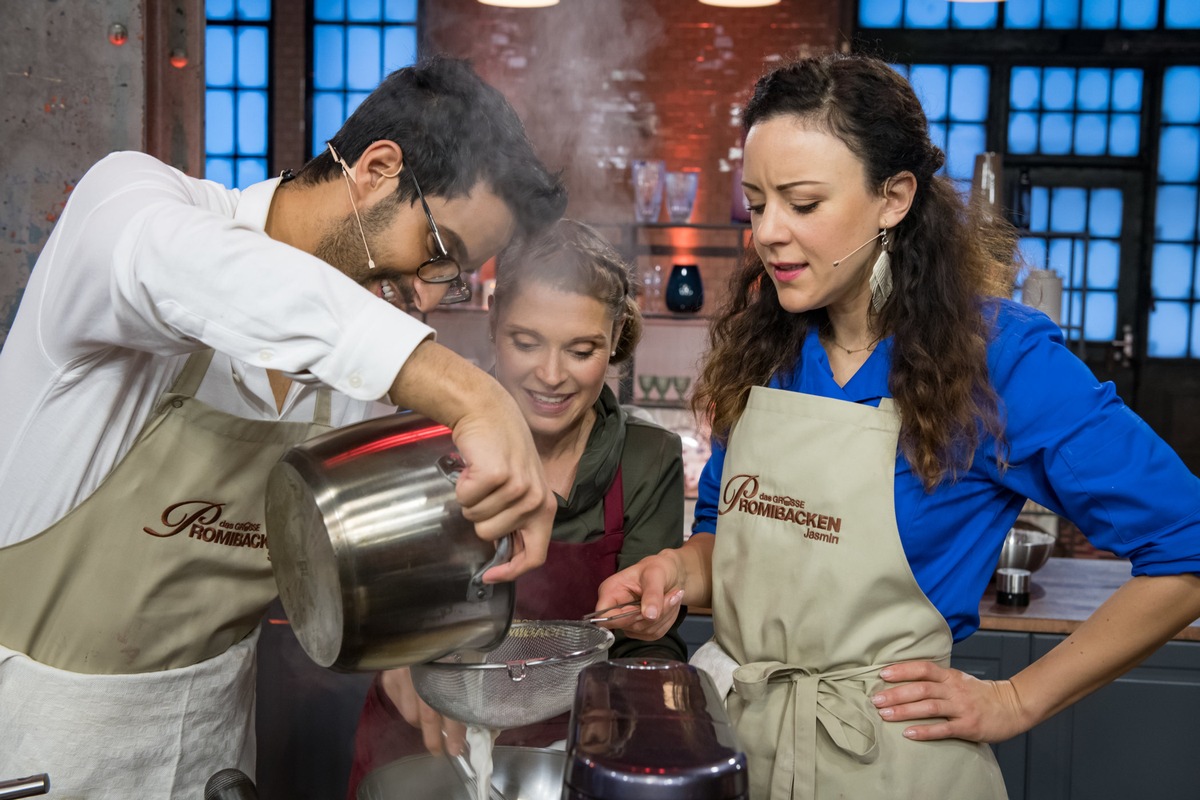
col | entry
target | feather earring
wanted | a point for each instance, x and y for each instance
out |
(881, 275)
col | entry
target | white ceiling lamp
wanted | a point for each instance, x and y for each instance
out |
(520, 3)
(740, 3)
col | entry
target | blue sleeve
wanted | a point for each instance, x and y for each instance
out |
(708, 491)
(1075, 447)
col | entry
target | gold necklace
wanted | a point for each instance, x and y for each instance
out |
(847, 350)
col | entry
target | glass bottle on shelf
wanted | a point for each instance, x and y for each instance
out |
(652, 289)
(738, 212)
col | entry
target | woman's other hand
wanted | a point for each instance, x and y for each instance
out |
(654, 585)
(437, 732)
(966, 707)
(658, 585)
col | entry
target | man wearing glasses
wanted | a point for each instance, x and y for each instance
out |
(174, 340)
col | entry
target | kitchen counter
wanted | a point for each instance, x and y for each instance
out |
(1085, 751)
(1063, 594)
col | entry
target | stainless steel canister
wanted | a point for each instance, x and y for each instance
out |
(376, 566)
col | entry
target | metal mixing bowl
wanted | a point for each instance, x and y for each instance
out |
(520, 773)
(1026, 547)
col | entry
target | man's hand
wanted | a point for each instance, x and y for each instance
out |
(503, 489)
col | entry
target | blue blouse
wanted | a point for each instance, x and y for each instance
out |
(1073, 446)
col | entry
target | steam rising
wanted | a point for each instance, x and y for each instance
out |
(586, 109)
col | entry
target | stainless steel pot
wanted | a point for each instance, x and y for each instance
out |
(520, 773)
(376, 566)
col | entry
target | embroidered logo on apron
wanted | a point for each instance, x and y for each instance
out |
(741, 495)
(198, 518)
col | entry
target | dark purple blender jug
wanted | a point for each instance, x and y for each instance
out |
(651, 729)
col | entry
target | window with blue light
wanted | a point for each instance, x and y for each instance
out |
(1076, 232)
(356, 43)
(1063, 106)
(1174, 330)
(1027, 14)
(1092, 111)
(955, 101)
(927, 14)
(236, 100)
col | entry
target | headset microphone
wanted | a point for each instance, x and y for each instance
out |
(860, 247)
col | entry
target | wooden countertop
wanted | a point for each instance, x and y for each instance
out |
(1063, 594)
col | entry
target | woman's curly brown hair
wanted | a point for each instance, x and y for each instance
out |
(947, 256)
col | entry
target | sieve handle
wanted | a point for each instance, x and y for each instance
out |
(478, 591)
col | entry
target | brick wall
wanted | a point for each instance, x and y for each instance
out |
(600, 82)
(289, 81)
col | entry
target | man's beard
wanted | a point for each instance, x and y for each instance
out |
(342, 247)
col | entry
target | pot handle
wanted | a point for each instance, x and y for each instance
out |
(451, 466)
(478, 591)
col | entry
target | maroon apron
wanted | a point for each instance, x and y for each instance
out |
(564, 587)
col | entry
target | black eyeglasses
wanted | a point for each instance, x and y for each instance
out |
(441, 268)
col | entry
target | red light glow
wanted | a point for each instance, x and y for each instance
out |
(388, 442)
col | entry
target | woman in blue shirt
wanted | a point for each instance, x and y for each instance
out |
(880, 415)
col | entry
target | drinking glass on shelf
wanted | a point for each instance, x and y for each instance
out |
(681, 383)
(646, 384)
(662, 385)
(648, 179)
(681, 194)
(652, 289)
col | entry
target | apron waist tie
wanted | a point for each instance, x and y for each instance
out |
(838, 700)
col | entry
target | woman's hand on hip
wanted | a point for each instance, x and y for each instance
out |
(964, 706)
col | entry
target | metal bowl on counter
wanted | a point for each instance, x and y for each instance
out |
(1027, 546)
(519, 773)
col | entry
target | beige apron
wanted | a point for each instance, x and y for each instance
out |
(138, 611)
(813, 595)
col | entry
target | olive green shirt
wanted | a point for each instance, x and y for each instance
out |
(652, 478)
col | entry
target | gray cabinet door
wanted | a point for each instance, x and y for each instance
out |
(1138, 737)
(991, 656)
(696, 630)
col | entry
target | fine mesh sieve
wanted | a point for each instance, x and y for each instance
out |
(529, 677)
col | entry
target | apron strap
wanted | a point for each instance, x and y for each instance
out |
(614, 507)
(837, 700)
(322, 414)
(192, 373)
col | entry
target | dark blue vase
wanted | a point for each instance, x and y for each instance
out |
(685, 290)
